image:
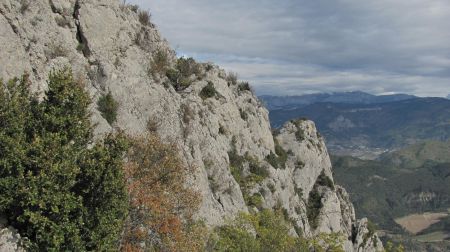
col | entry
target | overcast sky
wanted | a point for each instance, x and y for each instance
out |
(288, 47)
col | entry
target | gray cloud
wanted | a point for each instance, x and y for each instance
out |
(302, 46)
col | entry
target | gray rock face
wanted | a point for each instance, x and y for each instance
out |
(109, 49)
(9, 238)
(366, 241)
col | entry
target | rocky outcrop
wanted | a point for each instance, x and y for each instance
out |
(10, 240)
(111, 50)
(366, 240)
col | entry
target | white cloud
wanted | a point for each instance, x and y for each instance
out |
(300, 46)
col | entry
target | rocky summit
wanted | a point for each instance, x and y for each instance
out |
(110, 48)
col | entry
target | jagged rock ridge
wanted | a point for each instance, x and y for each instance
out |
(111, 51)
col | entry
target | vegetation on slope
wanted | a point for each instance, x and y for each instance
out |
(279, 158)
(419, 154)
(65, 192)
(160, 203)
(54, 189)
(247, 178)
(401, 183)
(108, 107)
(382, 192)
(268, 231)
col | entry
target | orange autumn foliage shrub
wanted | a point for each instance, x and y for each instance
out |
(161, 205)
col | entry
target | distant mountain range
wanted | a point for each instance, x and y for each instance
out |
(365, 125)
(355, 97)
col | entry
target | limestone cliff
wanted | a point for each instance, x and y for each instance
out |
(111, 50)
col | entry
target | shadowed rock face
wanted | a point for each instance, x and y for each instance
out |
(110, 50)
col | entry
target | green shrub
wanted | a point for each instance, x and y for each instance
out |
(390, 247)
(108, 107)
(299, 121)
(272, 234)
(244, 86)
(315, 199)
(299, 191)
(183, 83)
(279, 158)
(133, 7)
(233, 237)
(236, 172)
(256, 200)
(324, 180)
(313, 207)
(159, 63)
(235, 159)
(58, 187)
(272, 159)
(173, 75)
(208, 91)
(372, 230)
(285, 213)
(256, 174)
(232, 78)
(256, 168)
(188, 67)
(282, 154)
(144, 17)
(208, 67)
(181, 76)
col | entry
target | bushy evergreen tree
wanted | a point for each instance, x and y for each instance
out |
(58, 187)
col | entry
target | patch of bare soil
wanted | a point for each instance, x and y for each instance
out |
(415, 223)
